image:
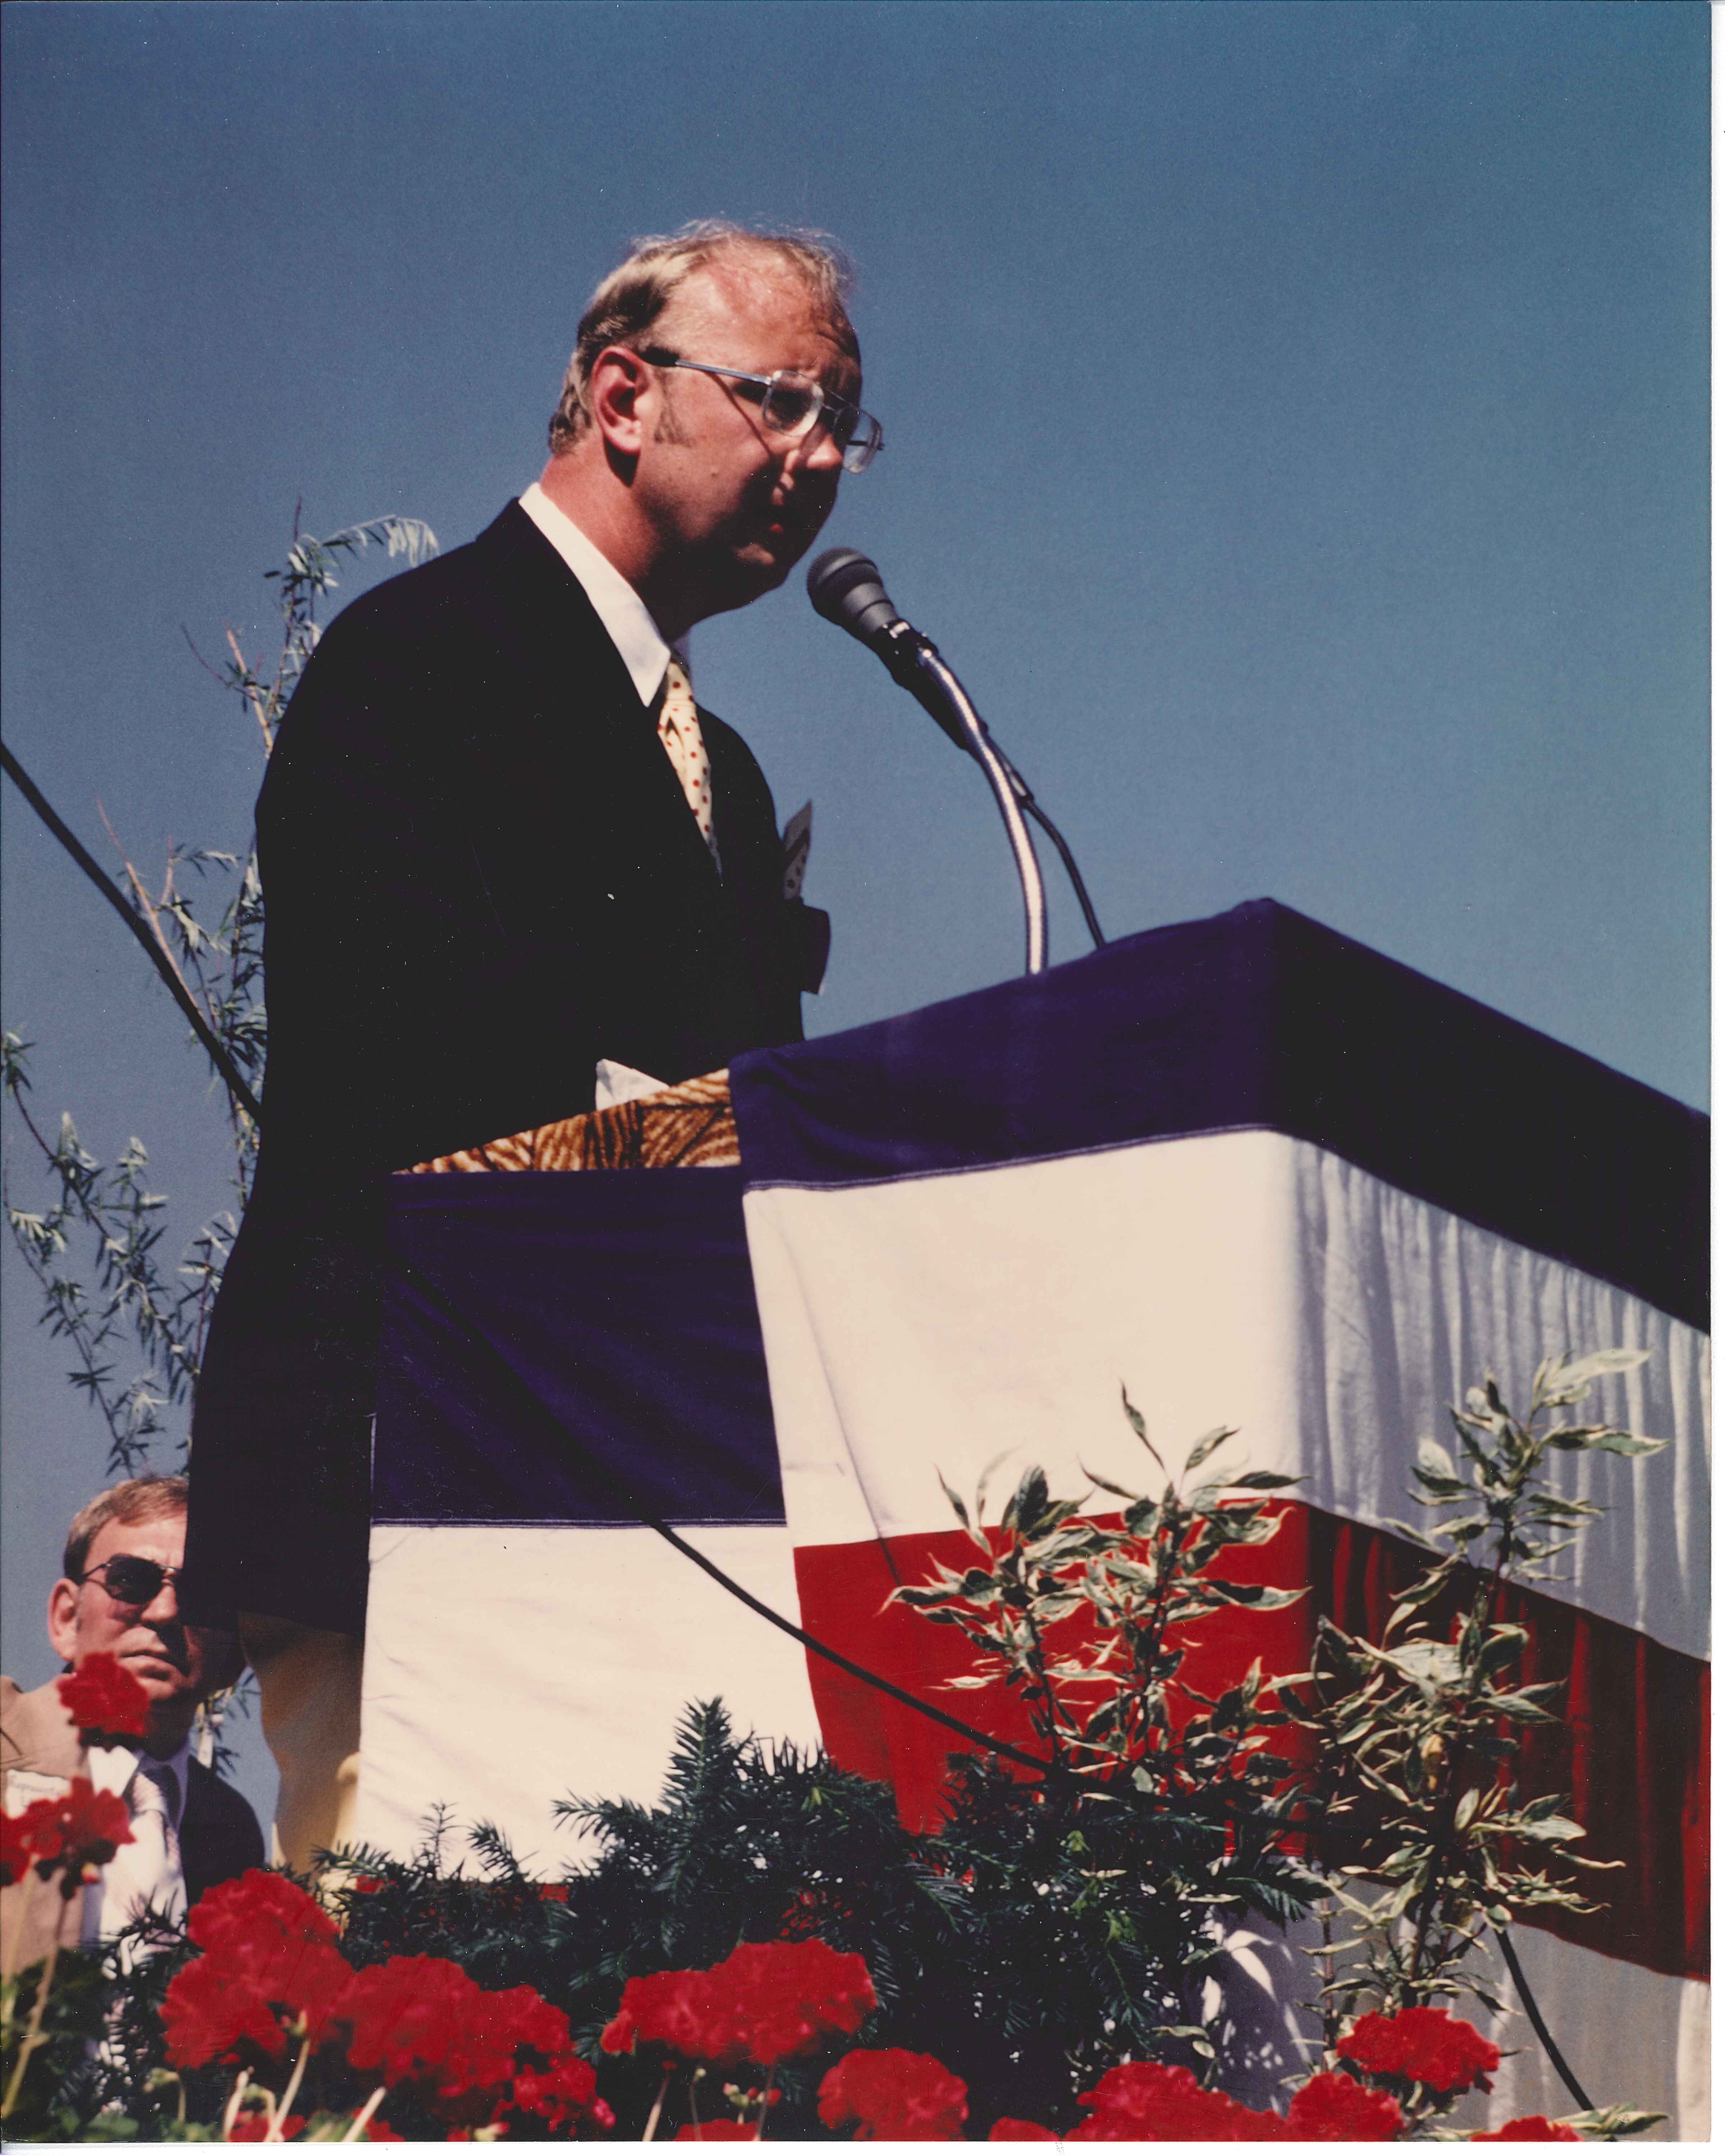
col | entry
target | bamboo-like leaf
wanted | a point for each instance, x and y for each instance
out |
(1599, 1363)
(1624, 1443)
(1207, 1445)
(1136, 1421)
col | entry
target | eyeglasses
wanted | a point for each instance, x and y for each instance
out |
(135, 1581)
(792, 404)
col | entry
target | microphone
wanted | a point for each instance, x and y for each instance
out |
(844, 586)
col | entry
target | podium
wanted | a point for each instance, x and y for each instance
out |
(1244, 1167)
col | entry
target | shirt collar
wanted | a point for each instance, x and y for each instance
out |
(113, 1766)
(616, 602)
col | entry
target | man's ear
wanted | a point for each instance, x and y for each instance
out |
(62, 1619)
(621, 380)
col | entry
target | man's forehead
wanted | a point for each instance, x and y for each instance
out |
(760, 300)
(163, 1536)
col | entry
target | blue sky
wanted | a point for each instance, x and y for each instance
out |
(1298, 435)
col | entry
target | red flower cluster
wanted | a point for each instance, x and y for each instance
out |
(1149, 2102)
(271, 1969)
(894, 2095)
(78, 1832)
(717, 2129)
(1020, 2129)
(269, 1966)
(1335, 2108)
(764, 2003)
(1533, 2128)
(565, 2092)
(1422, 2044)
(416, 2017)
(100, 1695)
(1143, 2101)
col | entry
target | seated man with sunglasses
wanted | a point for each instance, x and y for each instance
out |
(500, 843)
(190, 1829)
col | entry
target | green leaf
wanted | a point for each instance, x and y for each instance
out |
(956, 1501)
(1621, 1442)
(1027, 1503)
(1555, 1828)
(1113, 1488)
(1207, 1445)
(1602, 1361)
(1434, 1463)
(1137, 1421)
(1264, 1478)
(1254, 1597)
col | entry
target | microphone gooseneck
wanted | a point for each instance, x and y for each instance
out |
(846, 588)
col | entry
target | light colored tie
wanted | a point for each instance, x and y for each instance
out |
(680, 730)
(154, 1800)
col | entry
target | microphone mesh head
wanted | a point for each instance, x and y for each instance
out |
(844, 586)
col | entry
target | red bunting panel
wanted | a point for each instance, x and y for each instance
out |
(1632, 1748)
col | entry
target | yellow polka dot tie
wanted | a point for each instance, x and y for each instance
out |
(680, 730)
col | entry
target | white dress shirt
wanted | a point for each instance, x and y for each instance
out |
(148, 1869)
(616, 602)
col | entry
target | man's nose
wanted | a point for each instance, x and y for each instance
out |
(817, 451)
(164, 1607)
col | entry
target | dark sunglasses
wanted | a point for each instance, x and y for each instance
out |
(135, 1581)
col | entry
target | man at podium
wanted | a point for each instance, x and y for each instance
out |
(500, 840)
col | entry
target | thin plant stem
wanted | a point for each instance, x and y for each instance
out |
(368, 2112)
(32, 2035)
(287, 2103)
(231, 2112)
(658, 2105)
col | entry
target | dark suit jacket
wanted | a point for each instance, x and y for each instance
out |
(219, 1836)
(480, 876)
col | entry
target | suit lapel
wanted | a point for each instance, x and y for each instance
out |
(584, 724)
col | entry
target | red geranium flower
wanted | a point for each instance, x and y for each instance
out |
(764, 2003)
(1020, 2129)
(678, 2008)
(1420, 2043)
(100, 1694)
(1144, 2101)
(269, 1965)
(418, 2018)
(407, 2015)
(80, 1832)
(232, 1917)
(717, 2129)
(1534, 2128)
(93, 1824)
(1335, 2108)
(566, 2091)
(894, 2095)
(785, 1998)
(33, 1837)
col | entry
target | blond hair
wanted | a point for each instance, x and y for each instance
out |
(636, 293)
(145, 1497)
